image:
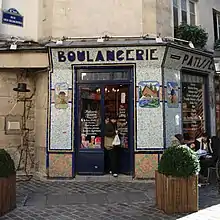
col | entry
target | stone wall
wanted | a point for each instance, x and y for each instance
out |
(9, 79)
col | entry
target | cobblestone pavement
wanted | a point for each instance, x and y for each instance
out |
(68, 200)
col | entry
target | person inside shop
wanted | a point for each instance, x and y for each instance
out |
(111, 150)
(177, 140)
(204, 145)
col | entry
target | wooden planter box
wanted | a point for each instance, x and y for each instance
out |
(7, 194)
(176, 195)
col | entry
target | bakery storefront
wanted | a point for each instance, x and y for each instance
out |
(154, 91)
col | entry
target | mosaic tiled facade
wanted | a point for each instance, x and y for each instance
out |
(145, 71)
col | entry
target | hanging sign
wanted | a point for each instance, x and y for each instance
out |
(13, 17)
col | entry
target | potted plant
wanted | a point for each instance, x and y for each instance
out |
(7, 183)
(196, 34)
(177, 180)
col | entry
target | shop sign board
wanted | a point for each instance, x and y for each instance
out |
(112, 55)
(178, 59)
(12, 17)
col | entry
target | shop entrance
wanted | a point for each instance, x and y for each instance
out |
(96, 101)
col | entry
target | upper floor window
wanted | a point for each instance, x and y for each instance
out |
(175, 13)
(216, 20)
(192, 11)
(184, 11)
(218, 25)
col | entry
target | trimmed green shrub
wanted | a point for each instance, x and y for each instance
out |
(179, 161)
(195, 34)
(7, 166)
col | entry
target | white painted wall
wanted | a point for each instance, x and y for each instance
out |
(205, 17)
(84, 18)
(27, 8)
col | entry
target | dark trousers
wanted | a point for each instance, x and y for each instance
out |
(111, 160)
(205, 163)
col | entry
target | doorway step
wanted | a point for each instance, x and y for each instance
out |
(104, 178)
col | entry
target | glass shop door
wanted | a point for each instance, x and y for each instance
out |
(102, 93)
(90, 155)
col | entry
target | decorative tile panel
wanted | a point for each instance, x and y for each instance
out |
(145, 165)
(60, 165)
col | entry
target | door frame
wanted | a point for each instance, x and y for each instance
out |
(102, 83)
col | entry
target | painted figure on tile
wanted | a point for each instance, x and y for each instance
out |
(172, 95)
(149, 94)
(61, 100)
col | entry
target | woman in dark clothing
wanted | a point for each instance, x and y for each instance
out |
(110, 150)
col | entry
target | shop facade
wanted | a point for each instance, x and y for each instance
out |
(154, 90)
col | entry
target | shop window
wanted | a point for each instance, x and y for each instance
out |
(175, 13)
(90, 117)
(192, 12)
(193, 107)
(217, 101)
(216, 23)
(184, 11)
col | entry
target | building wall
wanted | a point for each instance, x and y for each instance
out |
(58, 18)
(95, 18)
(41, 122)
(9, 106)
(164, 18)
(205, 18)
(24, 67)
(28, 9)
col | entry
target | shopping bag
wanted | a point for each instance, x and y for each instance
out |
(116, 141)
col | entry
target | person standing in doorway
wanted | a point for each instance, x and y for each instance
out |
(111, 150)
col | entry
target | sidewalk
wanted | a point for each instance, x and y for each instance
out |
(69, 200)
(211, 213)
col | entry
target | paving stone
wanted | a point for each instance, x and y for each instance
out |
(99, 198)
(36, 200)
(75, 198)
(56, 199)
(117, 197)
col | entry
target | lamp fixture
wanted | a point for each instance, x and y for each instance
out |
(159, 40)
(13, 46)
(191, 45)
(59, 42)
(100, 40)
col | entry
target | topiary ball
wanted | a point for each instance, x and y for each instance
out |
(7, 166)
(179, 161)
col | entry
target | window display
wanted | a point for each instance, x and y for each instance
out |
(193, 109)
(90, 118)
(116, 105)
